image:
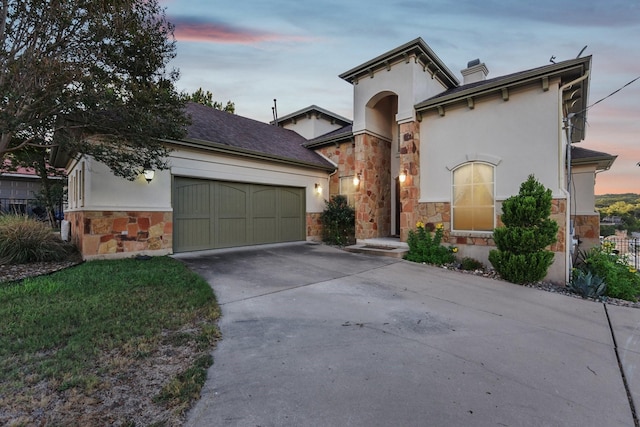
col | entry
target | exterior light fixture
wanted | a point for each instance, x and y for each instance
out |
(148, 173)
(356, 179)
(403, 176)
(318, 188)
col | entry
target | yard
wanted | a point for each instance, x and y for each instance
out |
(121, 342)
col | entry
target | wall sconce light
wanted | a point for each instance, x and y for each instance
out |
(403, 176)
(318, 188)
(356, 179)
(148, 173)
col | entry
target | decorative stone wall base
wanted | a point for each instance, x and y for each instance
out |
(103, 234)
(314, 227)
(587, 230)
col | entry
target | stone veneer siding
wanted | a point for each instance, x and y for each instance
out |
(587, 229)
(440, 213)
(373, 195)
(104, 233)
(343, 156)
(314, 226)
(410, 189)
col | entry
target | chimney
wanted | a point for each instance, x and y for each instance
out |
(475, 72)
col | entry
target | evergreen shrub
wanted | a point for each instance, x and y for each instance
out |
(521, 256)
(338, 222)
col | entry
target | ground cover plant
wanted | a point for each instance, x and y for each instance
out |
(120, 342)
(603, 263)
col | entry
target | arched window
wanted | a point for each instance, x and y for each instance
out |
(473, 206)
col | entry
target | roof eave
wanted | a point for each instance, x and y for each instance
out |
(226, 149)
(581, 64)
(603, 163)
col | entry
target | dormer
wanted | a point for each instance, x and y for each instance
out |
(312, 122)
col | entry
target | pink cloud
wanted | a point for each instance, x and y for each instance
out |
(200, 31)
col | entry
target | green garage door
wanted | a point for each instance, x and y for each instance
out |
(218, 214)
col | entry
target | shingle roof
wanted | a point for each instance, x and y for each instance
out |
(506, 79)
(337, 135)
(580, 155)
(218, 129)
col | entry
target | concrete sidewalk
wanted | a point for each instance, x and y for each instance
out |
(314, 336)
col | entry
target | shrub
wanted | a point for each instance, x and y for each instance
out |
(470, 264)
(23, 240)
(520, 256)
(338, 222)
(423, 247)
(621, 280)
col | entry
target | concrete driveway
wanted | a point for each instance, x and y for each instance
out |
(314, 336)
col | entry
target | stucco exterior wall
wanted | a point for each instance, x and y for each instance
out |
(583, 181)
(408, 80)
(518, 136)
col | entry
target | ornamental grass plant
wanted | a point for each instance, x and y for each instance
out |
(24, 239)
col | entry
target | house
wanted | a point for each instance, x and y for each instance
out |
(18, 189)
(422, 146)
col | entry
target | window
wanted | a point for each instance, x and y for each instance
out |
(473, 197)
(348, 189)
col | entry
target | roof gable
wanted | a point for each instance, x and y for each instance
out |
(416, 48)
(313, 110)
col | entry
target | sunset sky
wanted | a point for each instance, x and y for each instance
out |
(253, 51)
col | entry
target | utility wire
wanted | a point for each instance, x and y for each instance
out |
(611, 94)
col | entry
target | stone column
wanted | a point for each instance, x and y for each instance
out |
(410, 189)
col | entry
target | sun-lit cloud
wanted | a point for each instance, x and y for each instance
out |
(199, 30)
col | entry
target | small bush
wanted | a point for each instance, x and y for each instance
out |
(23, 240)
(587, 285)
(520, 256)
(470, 264)
(622, 281)
(423, 247)
(338, 222)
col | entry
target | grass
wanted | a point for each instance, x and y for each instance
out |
(59, 328)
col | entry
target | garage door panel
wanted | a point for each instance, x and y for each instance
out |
(192, 234)
(232, 200)
(290, 201)
(231, 232)
(290, 229)
(265, 230)
(192, 200)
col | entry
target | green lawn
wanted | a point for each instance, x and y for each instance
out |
(56, 330)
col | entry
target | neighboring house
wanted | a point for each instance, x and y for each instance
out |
(18, 190)
(422, 147)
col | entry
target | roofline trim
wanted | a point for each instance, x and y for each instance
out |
(221, 148)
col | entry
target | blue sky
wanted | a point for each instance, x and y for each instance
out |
(253, 51)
